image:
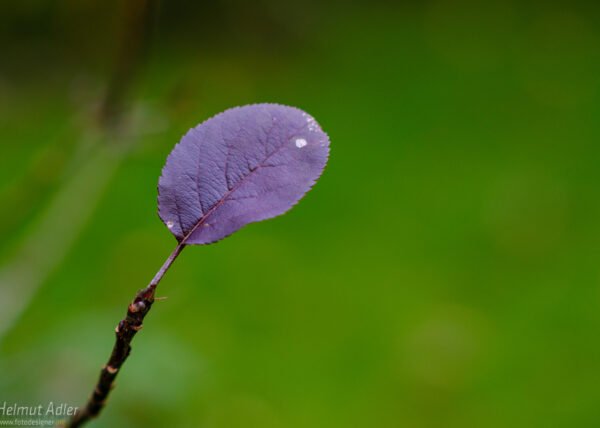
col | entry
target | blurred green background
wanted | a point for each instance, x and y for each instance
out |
(443, 273)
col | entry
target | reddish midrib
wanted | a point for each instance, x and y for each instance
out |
(221, 201)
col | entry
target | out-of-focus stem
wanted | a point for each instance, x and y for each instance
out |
(67, 213)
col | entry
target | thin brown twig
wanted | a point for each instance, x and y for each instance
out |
(124, 332)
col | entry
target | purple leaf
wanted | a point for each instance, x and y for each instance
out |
(244, 165)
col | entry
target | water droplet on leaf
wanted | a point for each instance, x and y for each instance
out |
(300, 142)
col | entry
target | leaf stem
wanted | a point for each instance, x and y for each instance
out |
(124, 332)
(164, 268)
